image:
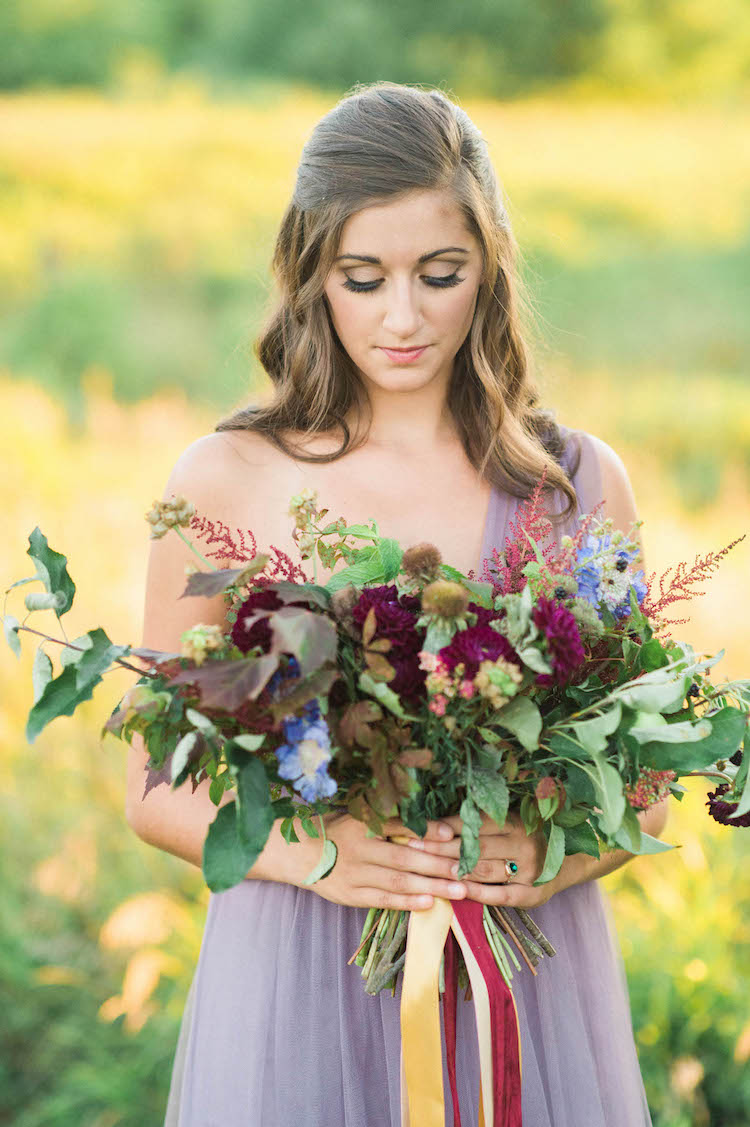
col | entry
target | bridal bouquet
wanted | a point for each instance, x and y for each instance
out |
(401, 687)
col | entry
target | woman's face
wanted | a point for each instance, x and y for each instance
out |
(397, 301)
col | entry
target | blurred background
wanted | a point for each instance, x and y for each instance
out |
(147, 153)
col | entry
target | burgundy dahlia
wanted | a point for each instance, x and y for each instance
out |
(722, 811)
(474, 645)
(564, 644)
(259, 633)
(396, 619)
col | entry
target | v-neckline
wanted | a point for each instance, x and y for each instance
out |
(486, 548)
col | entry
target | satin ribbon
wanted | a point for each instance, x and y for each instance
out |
(430, 933)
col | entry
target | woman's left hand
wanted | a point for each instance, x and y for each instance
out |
(487, 880)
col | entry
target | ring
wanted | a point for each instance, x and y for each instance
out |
(511, 868)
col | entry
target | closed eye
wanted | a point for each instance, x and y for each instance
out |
(430, 279)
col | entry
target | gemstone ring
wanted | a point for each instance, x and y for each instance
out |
(511, 868)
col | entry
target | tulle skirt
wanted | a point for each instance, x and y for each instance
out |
(277, 1028)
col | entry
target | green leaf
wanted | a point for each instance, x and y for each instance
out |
(382, 693)
(51, 569)
(181, 757)
(309, 826)
(227, 858)
(652, 655)
(60, 697)
(390, 555)
(742, 779)
(581, 839)
(254, 812)
(201, 722)
(10, 627)
(41, 672)
(325, 864)
(594, 733)
(555, 854)
(216, 789)
(471, 824)
(490, 792)
(250, 741)
(651, 844)
(45, 600)
(662, 690)
(629, 834)
(608, 790)
(288, 831)
(686, 731)
(521, 717)
(727, 730)
(366, 569)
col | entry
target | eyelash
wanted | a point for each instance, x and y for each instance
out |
(439, 283)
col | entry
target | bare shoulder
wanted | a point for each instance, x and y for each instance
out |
(617, 490)
(224, 471)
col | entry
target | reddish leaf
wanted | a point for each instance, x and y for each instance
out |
(226, 684)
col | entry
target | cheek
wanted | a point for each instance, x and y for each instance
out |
(350, 317)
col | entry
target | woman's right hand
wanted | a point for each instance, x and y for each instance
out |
(372, 872)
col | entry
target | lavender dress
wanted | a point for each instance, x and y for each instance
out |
(278, 1030)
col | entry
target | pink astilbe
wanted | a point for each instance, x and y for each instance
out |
(676, 584)
(243, 548)
(564, 560)
(503, 568)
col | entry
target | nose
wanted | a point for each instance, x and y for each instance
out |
(402, 318)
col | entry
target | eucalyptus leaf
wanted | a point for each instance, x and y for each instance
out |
(250, 741)
(521, 717)
(201, 722)
(727, 730)
(41, 672)
(629, 835)
(651, 844)
(51, 568)
(325, 864)
(255, 815)
(490, 792)
(471, 824)
(581, 839)
(227, 858)
(593, 734)
(45, 600)
(534, 659)
(10, 627)
(383, 694)
(181, 756)
(686, 731)
(555, 854)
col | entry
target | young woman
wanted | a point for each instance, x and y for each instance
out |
(402, 393)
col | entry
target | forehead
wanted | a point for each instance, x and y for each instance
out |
(407, 227)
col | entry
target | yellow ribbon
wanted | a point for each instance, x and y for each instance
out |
(422, 1095)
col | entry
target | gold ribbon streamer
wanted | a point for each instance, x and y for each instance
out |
(421, 1037)
(422, 1095)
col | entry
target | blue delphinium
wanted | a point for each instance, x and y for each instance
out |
(306, 753)
(602, 572)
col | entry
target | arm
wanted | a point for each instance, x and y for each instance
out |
(177, 821)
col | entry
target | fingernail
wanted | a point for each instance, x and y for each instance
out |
(458, 889)
(445, 831)
(416, 843)
(454, 870)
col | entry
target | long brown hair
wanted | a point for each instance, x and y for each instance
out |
(381, 141)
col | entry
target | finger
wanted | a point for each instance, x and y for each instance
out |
(379, 898)
(411, 860)
(509, 895)
(436, 830)
(437, 848)
(405, 883)
(489, 826)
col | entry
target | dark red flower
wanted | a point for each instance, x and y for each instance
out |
(259, 633)
(396, 619)
(722, 811)
(564, 644)
(477, 644)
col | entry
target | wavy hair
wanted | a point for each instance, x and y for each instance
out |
(379, 142)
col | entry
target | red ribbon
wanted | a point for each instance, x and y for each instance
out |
(506, 1047)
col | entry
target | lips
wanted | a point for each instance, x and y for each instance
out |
(404, 355)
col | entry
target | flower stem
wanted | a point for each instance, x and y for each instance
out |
(193, 548)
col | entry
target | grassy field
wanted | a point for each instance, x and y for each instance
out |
(132, 281)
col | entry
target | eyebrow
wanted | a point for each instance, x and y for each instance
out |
(422, 258)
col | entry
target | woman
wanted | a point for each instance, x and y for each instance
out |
(401, 393)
